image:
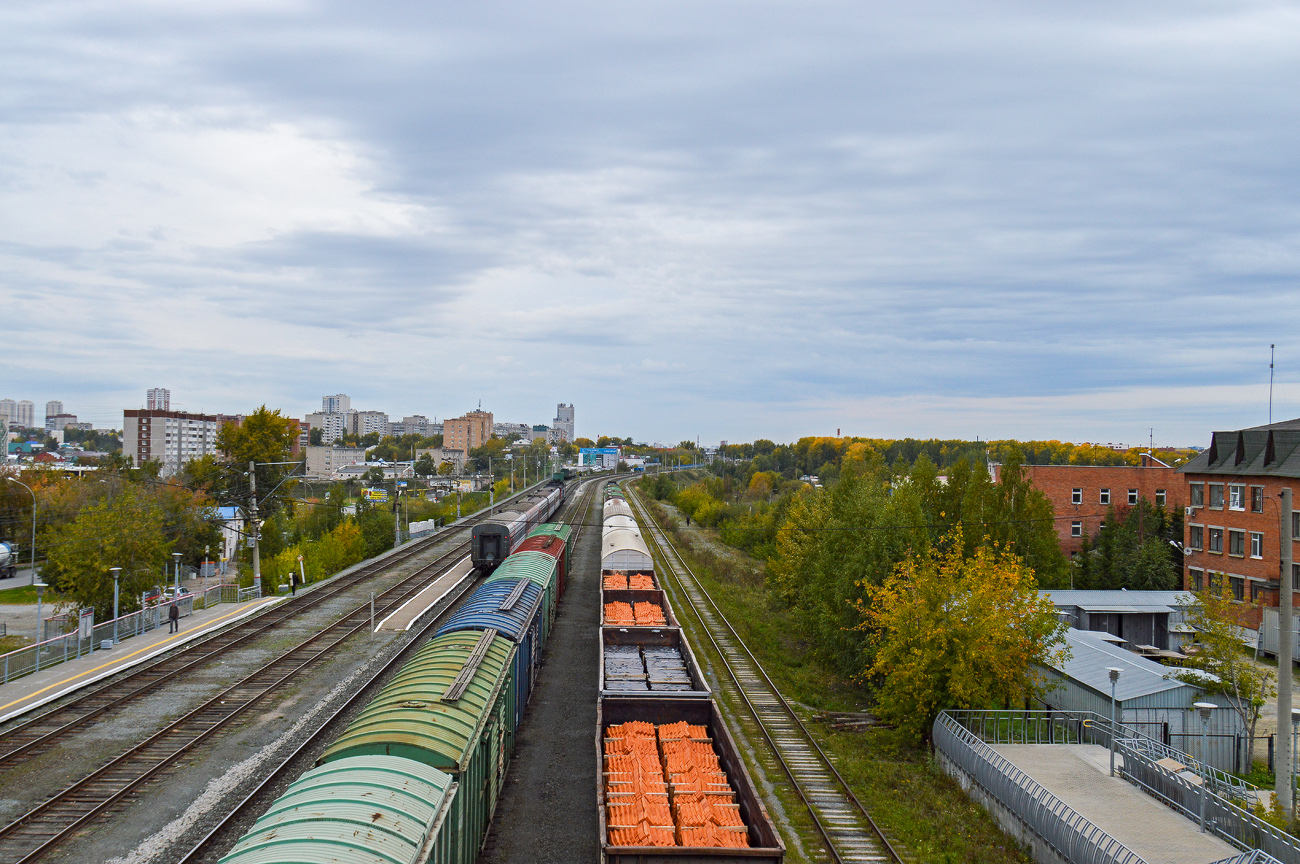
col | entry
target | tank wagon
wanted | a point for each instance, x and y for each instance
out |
(492, 541)
(415, 778)
(672, 785)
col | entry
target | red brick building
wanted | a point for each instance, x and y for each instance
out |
(1081, 494)
(1233, 525)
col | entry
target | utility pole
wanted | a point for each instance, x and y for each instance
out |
(1270, 384)
(1284, 659)
(257, 528)
(397, 518)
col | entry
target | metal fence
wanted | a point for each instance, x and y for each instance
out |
(1225, 814)
(1058, 825)
(75, 644)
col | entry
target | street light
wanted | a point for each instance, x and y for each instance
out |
(116, 571)
(33, 494)
(1204, 709)
(176, 557)
(1114, 679)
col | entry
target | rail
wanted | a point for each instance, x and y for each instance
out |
(1053, 821)
(848, 831)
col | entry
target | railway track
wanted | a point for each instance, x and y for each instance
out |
(35, 736)
(46, 825)
(248, 809)
(848, 832)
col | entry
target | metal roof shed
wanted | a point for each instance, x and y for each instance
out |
(376, 808)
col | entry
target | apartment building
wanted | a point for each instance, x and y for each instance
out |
(333, 425)
(1232, 526)
(20, 413)
(466, 433)
(365, 422)
(322, 462)
(339, 403)
(56, 422)
(158, 399)
(169, 437)
(1081, 495)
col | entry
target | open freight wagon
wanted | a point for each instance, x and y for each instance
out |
(648, 661)
(676, 723)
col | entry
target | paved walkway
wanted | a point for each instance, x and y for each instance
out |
(23, 694)
(1079, 774)
(402, 617)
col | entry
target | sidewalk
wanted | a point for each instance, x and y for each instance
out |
(1079, 774)
(31, 691)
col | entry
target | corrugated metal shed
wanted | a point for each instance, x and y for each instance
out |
(371, 809)
(409, 718)
(483, 609)
(1115, 601)
(1144, 683)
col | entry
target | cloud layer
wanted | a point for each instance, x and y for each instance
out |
(725, 220)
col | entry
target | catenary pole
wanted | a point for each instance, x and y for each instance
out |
(257, 528)
(1285, 639)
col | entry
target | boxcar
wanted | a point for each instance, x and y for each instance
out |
(550, 545)
(451, 708)
(540, 568)
(366, 808)
(512, 607)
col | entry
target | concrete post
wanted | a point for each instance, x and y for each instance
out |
(257, 529)
(1284, 651)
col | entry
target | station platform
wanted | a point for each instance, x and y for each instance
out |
(1079, 774)
(405, 615)
(31, 691)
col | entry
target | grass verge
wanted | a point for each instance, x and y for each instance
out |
(20, 595)
(897, 781)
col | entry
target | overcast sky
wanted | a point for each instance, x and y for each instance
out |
(724, 220)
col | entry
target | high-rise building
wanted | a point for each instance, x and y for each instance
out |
(365, 422)
(562, 425)
(21, 413)
(54, 406)
(169, 437)
(158, 399)
(416, 424)
(333, 424)
(466, 433)
(339, 403)
(55, 422)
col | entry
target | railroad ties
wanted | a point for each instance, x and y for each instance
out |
(847, 830)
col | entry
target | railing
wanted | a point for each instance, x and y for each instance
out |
(1058, 825)
(1224, 816)
(1254, 856)
(70, 646)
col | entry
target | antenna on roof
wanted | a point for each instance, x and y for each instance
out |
(1270, 384)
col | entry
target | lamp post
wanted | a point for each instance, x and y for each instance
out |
(33, 494)
(176, 558)
(1204, 709)
(1114, 679)
(116, 571)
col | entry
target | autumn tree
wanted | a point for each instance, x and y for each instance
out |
(265, 438)
(1219, 620)
(955, 631)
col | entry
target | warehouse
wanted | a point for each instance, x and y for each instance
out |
(1150, 621)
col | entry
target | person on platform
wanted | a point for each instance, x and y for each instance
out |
(174, 618)
(293, 583)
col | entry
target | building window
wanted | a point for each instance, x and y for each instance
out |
(1132, 497)
(1196, 578)
(1256, 499)
(1216, 539)
(1196, 536)
(1256, 591)
(1105, 496)
(1295, 525)
(1238, 587)
(1237, 543)
(1076, 496)
(1236, 497)
(1256, 544)
(1216, 496)
(1216, 581)
(1160, 497)
(1076, 529)
(1196, 492)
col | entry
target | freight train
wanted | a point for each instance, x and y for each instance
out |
(493, 540)
(416, 776)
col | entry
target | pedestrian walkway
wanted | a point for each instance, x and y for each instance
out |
(30, 691)
(405, 615)
(1079, 774)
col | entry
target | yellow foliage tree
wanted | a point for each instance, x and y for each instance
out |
(950, 631)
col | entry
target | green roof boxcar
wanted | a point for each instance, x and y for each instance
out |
(452, 708)
(564, 532)
(540, 568)
(371, 809)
